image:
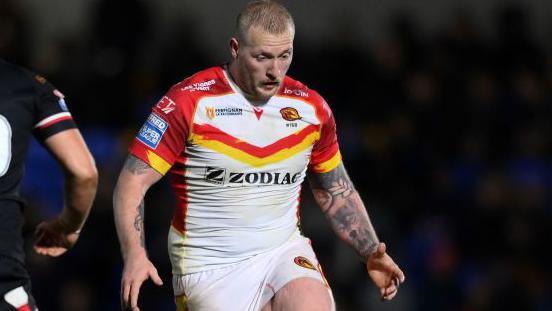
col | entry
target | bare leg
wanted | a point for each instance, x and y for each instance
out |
(303, 294)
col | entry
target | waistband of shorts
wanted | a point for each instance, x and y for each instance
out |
(293, 238)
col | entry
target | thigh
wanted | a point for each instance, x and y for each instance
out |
(238, 287)
(297, 281)
(303, 294)
(15, 286)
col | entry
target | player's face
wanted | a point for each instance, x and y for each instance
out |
(262, 62)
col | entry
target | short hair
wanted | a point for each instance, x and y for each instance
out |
(266, 15)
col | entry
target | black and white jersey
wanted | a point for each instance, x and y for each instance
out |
(29, 105)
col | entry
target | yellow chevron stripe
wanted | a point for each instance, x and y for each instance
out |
(328, 165)
(158, 163)
(252, 160)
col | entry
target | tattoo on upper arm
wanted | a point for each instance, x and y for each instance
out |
(135, 165)
(343, 206)
(139, 223)
(331, 187)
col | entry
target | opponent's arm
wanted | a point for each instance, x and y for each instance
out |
(56, 236)
(341, 203)
(128, 202)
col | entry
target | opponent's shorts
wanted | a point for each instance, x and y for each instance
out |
(249, 284)
(15, 286)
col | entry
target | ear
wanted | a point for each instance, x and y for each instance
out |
(234, 47)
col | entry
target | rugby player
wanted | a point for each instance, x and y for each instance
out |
(30, 105)
(238, 140)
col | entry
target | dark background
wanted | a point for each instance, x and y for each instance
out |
(444, 120)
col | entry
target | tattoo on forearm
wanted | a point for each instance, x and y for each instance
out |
(360, 231)
(343, 206)
(135, 165)
(139, 223)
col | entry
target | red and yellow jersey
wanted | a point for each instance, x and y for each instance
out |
(236, 168)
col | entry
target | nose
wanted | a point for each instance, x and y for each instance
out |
(274, 69)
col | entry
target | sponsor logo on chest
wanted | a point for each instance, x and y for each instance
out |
(220, 176)
(212, 112)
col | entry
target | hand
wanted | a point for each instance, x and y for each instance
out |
(385, 273)
(53, 239)
(137, 270)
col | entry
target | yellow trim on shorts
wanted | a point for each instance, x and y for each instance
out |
(181, 302)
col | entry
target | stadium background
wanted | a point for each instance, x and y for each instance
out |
(444, 118)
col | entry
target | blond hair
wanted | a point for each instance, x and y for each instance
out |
(266, 15)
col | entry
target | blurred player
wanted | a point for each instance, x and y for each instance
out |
(30, 105)
(238, 141)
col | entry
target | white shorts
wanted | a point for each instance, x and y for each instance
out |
(250, 284)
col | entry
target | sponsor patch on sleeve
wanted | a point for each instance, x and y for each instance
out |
(61, 100)
(40, 79)
(152, 131)
(166, 105)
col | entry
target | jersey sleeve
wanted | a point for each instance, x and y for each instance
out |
(162, 137)
(325, 154)
(51, 113)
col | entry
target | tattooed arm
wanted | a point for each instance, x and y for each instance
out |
(128, 202)
(343, 207)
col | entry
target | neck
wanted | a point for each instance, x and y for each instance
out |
(234, 75)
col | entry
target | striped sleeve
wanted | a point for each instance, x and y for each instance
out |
(52, 115)
(162, 137)
(325, 154)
